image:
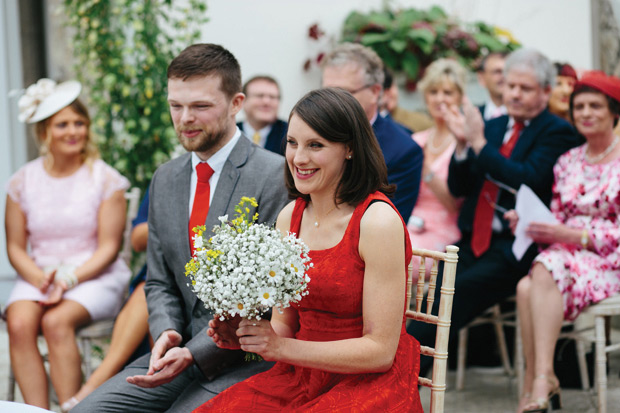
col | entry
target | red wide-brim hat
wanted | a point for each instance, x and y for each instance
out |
(608, 85)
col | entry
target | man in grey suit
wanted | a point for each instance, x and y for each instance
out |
(185, 368)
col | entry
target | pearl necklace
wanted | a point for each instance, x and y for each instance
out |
(316, 219)
(595, 159)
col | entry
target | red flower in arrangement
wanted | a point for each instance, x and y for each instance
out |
(315, 32)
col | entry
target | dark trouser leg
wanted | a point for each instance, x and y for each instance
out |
(480, 283)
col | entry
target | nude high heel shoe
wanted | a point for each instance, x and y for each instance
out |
(553, 398)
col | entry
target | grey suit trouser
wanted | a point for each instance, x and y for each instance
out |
(185, 393)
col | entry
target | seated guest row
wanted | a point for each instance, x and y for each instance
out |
(340, 174)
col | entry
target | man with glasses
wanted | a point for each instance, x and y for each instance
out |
(359, 70)
(491, 77)
(261, 125)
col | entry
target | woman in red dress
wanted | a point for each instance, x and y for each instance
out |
(344, 347)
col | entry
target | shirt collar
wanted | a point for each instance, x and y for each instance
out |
(218, 159)
(249, 130)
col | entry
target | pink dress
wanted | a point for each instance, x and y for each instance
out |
(61, 220)
(585, 196)
(440, 228)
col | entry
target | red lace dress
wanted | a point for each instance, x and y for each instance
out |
(332, 311)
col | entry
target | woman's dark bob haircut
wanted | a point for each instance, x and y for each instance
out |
(337, 116)
(614, 105)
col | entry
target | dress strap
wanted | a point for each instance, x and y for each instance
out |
(298, 212)
(361, 209)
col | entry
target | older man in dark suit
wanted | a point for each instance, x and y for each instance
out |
(492, 160)
(359, 70)
(185, 367)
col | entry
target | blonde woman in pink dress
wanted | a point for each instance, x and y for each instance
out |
(581, 265)
(65, 214)
(432, 224)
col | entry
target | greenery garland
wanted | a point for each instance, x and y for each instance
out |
(408, 40)
(122, 50)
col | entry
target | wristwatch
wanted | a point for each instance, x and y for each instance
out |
(585, 238)
(428, 177)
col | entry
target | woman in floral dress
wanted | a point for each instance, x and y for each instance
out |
(581, 264)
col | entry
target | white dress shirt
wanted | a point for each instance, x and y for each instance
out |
(216, 162)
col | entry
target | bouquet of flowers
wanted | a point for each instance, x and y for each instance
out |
(247, 268)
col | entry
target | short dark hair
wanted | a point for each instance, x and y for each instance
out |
(337, 116)
(483, 62)
(614, 105)
(207, 59)
(266, 78)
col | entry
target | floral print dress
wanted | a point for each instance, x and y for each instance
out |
(585, 196)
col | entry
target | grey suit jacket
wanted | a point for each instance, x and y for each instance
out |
(249, 171)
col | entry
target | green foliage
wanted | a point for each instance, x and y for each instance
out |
(408, 40)
(122, 50)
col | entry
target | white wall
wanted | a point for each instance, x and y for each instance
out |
(270, 36)
(12, 133)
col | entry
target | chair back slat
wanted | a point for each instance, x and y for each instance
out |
(442, 319)
(432, 284)
(132, 197)
(420, 292)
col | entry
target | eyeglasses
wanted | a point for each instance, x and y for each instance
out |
(353, 92)
(261, 96)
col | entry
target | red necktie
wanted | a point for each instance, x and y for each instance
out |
(200, 208)
(483, 216)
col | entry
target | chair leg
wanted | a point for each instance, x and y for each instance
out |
(86, 357)
(519, 362)
(601, 358)
(501, 338)
(462, 355)
(581, 360)
(11, 391)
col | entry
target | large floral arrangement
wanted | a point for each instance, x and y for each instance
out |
(122, 50)
(408, 40)
(246, 268)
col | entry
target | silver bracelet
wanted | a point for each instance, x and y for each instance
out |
(67, 274)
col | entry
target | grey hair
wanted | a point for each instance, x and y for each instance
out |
(444, 69)
(364, 57)
(534, 61)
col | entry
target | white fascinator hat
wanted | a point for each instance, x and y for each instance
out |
(46, 98)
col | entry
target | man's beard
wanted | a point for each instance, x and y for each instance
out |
(204, 142)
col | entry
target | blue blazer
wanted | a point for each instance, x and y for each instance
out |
(404, 159)
(531, 163)
(276, 140)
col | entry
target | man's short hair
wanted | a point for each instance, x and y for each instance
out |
(362, 56)
(207, 59)
(485, 59)
(534, 61)
(266, 78)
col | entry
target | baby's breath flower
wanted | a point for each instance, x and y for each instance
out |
(245, 268)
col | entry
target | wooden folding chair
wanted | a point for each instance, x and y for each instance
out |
(442, 320)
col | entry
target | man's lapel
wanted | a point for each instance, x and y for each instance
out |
(180, 197)
(222, 198)
(528, 137)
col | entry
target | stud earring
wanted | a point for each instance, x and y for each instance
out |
(349, 157)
